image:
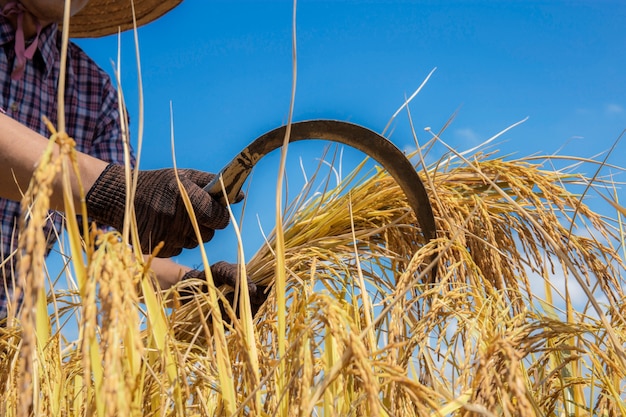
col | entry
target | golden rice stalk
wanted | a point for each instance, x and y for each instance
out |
(228, 396)
(37, 370)
(118, 279)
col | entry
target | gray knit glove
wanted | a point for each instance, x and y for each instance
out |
(159, 208)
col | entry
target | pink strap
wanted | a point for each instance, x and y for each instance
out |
(15, 8)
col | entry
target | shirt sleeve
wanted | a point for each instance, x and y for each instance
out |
(108, 143)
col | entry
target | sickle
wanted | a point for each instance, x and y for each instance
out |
(367, 141)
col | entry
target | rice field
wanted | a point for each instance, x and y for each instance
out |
(525, 318)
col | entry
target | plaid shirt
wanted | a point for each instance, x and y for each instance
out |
(91, 114)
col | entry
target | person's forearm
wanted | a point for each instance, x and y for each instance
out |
(167, 271)
(21, 149)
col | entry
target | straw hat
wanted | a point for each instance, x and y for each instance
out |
(104, 17)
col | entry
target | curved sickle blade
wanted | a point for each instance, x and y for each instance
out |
(371, 143)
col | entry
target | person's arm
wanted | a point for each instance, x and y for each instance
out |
(21, 150)
(168, 272)
(159, 205)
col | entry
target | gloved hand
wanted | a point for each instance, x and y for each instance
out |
(225, 273)
(159, 207)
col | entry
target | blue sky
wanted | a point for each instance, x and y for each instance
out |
(226, 66)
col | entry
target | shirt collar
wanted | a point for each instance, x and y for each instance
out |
(48, 47)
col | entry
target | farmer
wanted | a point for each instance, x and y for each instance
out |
(30, 52)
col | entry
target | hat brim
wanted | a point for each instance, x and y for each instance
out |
(105, 17)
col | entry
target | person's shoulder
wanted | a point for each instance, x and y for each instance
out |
(84, 66)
